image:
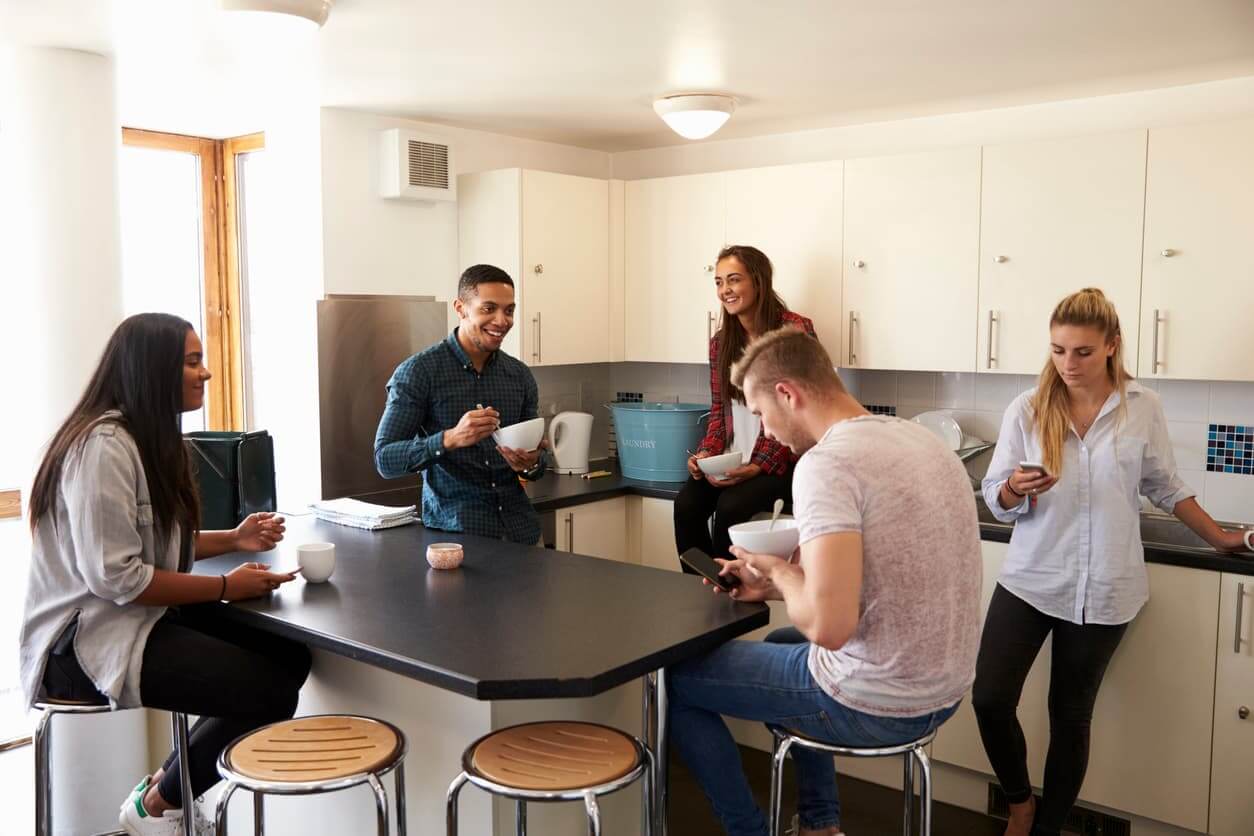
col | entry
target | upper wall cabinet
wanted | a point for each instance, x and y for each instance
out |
(911, 250)
(550, 232)
(675, 228)
(793, 214)
(1055, 217)
(1198, 285)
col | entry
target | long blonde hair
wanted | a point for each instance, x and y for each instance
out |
(1051, 405)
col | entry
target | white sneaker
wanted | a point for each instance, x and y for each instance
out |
(169, 823)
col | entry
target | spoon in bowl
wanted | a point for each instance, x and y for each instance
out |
(779, 506)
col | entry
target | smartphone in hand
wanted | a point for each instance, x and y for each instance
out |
(1036, 467)
(704, 565)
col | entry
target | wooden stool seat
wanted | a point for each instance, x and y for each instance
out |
(314, 749)
(50, 703)
(554, 756)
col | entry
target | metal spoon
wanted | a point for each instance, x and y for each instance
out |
(779, 506)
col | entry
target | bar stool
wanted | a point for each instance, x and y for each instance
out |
(310, 755)
(43, 761)
(912, 751)
(554, 761)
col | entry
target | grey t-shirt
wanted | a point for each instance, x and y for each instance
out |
(913, 651)
(94, 553)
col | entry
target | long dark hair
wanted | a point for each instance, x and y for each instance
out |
(768, 314)
(140, 375)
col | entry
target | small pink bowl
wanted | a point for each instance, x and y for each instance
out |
(444, 555)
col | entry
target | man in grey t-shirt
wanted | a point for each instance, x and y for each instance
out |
(885, 586)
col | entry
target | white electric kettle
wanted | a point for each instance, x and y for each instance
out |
(570, 433)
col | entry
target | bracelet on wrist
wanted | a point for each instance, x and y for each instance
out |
(1013, 492)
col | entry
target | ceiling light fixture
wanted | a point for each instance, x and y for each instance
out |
(315, 11)
(695, 115)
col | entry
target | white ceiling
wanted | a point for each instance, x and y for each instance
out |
(584, 73)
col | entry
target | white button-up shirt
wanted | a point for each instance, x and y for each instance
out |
(1076, 550)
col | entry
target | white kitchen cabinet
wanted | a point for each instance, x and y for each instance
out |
(675, 228)
(1232, 759)
(550, 232)
(1198, 285)
(1057, 216)
(910, 261)
(1150, 746)
(597, 529)
(651, 523)
(793, 214)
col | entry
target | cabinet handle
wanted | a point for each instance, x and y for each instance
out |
(538, 269)
(709, 268)
(1158, 318)
(570, 532)
(709, 325)
(992, 318)
(859, 263)
(535, 320)
(1244, 712)
(853, 320)
(1000, 259)
(1168, 253)
(1236, 638)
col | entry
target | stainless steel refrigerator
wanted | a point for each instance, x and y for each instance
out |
(361, 341)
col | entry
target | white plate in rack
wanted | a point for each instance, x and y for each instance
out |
(943, 426)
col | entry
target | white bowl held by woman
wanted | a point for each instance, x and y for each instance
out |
(525, 435)
(780, 541)
(717, 466)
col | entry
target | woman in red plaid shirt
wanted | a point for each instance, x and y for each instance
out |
(751, 307)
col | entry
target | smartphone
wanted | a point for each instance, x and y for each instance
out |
(1036, 466)
(704, 565)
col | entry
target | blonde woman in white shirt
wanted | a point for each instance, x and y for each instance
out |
(1076, 566)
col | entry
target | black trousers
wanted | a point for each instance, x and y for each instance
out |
(235, 678)
(698, 499)
(1013, 634)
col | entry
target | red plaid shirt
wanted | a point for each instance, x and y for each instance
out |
(774, 458)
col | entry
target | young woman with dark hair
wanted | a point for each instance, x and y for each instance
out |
(750, 308)
(116, 524)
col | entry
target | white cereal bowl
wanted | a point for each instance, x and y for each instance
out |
(717, 466)
(525, 435)
(780, 541)
(444, 555)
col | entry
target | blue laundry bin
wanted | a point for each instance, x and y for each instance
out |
(654, 438)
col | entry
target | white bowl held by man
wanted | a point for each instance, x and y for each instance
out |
(316, 561)
(718, 466)
(759, 538)
(525, 435)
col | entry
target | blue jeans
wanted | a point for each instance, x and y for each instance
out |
(770, 683)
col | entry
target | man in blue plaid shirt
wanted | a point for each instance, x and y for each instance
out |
(443, 405)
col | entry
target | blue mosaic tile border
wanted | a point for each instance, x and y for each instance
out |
(1230, 449)
(876, 409)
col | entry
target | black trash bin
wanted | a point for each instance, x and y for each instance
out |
(235, 473)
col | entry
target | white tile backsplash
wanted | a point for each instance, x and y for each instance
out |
(877, 387)
(915, 389)
(1232, 403)
(955, 390)
(1230, 497)
(1188, 440)
(994, 392)
(1185, 400)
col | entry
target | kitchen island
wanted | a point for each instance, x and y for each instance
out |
(516, 634)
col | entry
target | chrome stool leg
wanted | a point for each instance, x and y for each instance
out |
(594, 814)
(223, 801)
(399, 778)
(778, 758)
(450, 815)
(907, 794)
(520, 817)
(925, 790)
(43, 775)
(181, 746)
(380, 802)
(259, 814)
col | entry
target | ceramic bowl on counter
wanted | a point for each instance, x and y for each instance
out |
(445, 555)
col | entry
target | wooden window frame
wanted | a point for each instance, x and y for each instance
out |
(220, 236)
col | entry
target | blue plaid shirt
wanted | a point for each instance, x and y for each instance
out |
(470, 489)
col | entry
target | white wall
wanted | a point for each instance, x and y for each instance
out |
(372, 245)
(1146, 109)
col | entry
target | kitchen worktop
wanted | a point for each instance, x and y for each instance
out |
(1166, 539)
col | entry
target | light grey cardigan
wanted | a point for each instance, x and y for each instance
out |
(93, 554)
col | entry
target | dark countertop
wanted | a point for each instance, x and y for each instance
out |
(1166, 539)
(514, 622)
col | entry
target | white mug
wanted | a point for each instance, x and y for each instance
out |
(316, 561)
